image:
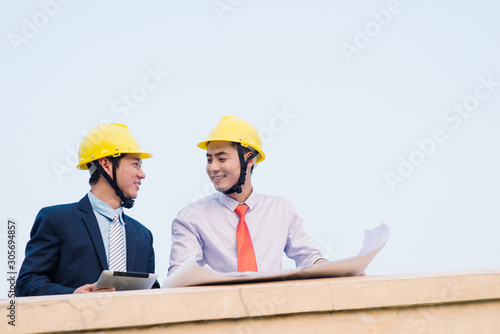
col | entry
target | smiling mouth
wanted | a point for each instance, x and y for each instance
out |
(218, 177)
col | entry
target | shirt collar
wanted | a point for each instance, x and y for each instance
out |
(103, 208)
(231, 203)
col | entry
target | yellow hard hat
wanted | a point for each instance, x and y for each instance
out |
(110, 139)
(237, 130)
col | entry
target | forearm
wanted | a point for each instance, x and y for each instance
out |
(39, 285)
(185, 243)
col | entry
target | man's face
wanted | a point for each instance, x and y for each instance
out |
(223, 165)
(129, 175)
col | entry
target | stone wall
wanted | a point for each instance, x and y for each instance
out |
(448, 302)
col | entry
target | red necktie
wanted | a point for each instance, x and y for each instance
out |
(246, 254)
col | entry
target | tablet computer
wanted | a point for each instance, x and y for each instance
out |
(125, 280)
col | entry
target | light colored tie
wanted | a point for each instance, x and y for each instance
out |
(117, 260)
(244, 245)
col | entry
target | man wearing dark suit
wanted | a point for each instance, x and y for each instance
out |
(70, 243)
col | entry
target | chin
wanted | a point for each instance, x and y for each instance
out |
(131, 196)
(219, 188)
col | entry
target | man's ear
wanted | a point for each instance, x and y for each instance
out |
(251, 162)
(107, 165)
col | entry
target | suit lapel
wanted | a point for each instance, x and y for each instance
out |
(131, 235)
(93, 228)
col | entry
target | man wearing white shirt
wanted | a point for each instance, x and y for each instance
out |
(208, 227)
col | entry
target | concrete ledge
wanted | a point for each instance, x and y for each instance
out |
(448, 302)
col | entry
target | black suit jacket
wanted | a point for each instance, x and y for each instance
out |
(66, 250)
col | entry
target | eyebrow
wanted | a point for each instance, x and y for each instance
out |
(217, 154)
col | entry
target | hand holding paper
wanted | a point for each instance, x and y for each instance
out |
(190, 273)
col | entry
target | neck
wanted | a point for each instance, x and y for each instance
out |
(243, 196)
(106, 194)
(246, 188)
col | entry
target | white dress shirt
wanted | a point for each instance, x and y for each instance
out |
(207, 228)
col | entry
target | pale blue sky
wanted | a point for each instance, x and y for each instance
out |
(335, 124)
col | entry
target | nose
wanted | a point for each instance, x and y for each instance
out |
(214, 166)
(141, 174)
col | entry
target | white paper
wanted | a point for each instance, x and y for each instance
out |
(191, 273)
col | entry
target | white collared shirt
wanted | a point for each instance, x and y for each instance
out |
(207, 228)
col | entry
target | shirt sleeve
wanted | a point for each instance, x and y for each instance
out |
(186, 242)
(299, 246)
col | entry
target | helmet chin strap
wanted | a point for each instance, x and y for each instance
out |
(243, 173)
(126, 202)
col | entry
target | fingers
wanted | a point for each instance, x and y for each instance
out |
(320, 260)
(105, 290)
(84, 288)
(90, 288)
